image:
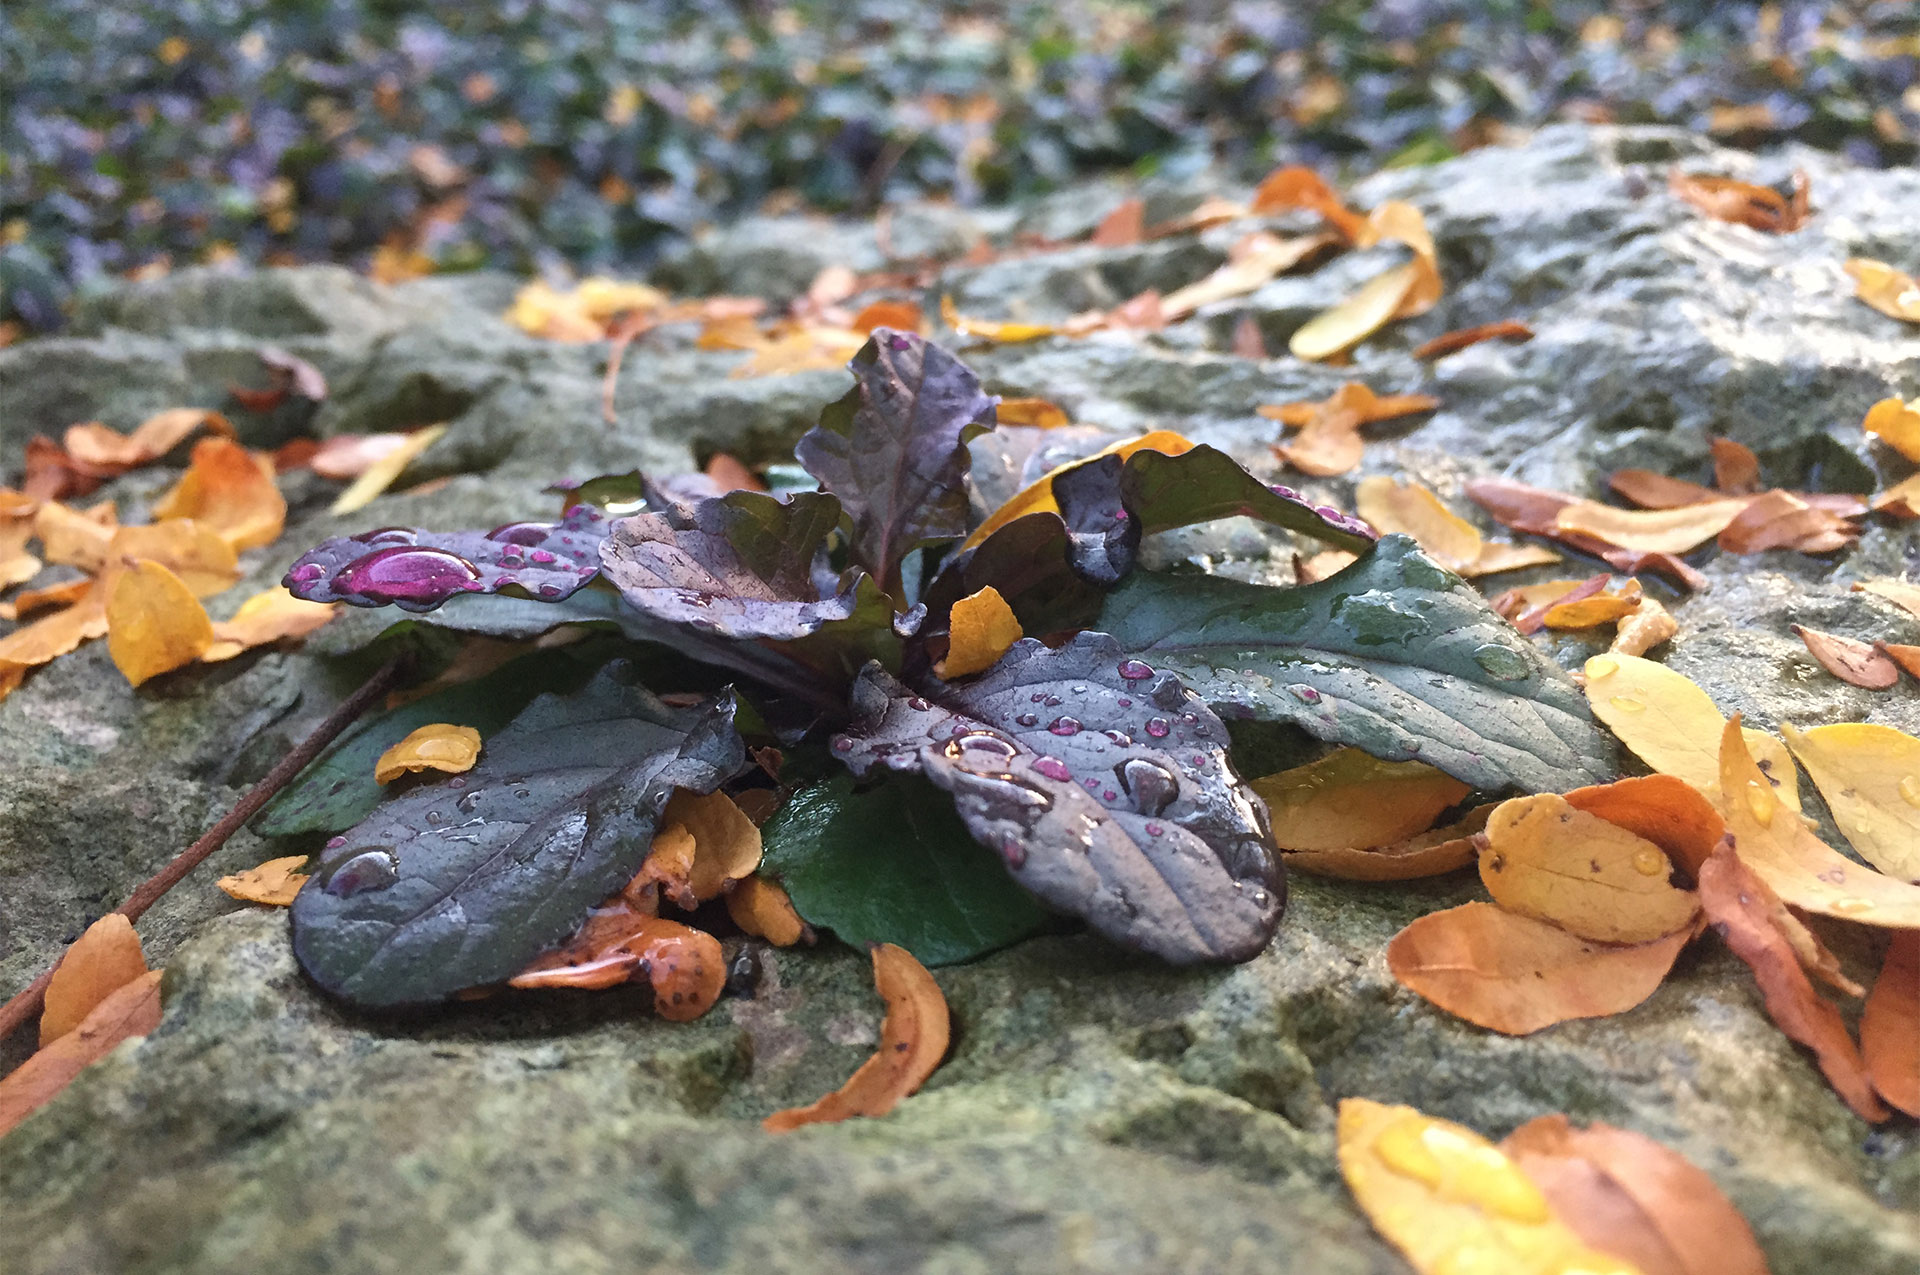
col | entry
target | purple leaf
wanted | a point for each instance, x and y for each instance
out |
(418, 570)
(894, 449)
(1102, 784)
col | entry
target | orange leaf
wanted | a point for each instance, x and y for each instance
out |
(71, 538)
(1890, 1025)
(27, 601)
(450, 749)
(1744, 203)
(981, 627)
(1741, 907)
(1329, 442)
(273, 883)
(762, 908)
(1783, 520)
(1298, 187)
(1902, 500)
(1125, 225)
(1037, 496)
(1516, 975)
(729, 474)
(726, 844)
(17, 566)
(913, 1039)
(271, 615)
(103, 453)
(1657, 491)
(1625, 1194)
(904, 315)
(601, 953)
(1649, 530)
(1545, 858)
(132, 1010)
(52, 636)
(1736, 470)
(1887, 290)
(1427, 854)
(1665, 810)
(202, 559)
(684, 966)
(1037, 412)
(230, 491)
(1348, 799)
(105, 958)
(1459, 339)
(154, 623)
(1852, 661)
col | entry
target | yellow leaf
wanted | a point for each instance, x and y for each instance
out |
(1546, 859)
(105, 958)
(1673, 726)
(1256, 260)
(17, 566)
(154, 623)
(1870, 776)
(987, 330)
(1885, 289)
(1037, 412)
(52, 636)
(273, 883)
(762, 908)
(1898, 423)
(1899, 592)
(1369, 309)
(802, 349)
(268, 616)
(726, 844)
(982, 627)
(1451, 1201)
(1783, 851)
(1037, 497)
(1649, 530)
(1408, 507)
(438, 746)
(383, 472)
(1351, 800)
(71, 538)
(1425, 854)
(229, 491)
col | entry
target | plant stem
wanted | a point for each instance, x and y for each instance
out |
(17, 1012)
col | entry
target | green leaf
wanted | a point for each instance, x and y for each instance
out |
(894, 864)
(1394, 655)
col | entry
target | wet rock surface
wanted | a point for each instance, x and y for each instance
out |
(1099, 1111)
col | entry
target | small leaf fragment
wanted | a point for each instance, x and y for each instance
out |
(705, 843)
(383, 472)
(1349, 799)
(988, 330)
(273, 883)
(913, 1040)
(131, 1010)
(272, 615)
(1854, 662)
(154, 623)
(1515, 975)
(762, 908)
(1744, 203)
(1890, 1025)
(1460, 338)
(1870, 776)
(1550, 860)
(437, 746)
(100, 452)
(982, 628)
(1891, 292)
(1426, 854)
(106, 957)
(1037, 412)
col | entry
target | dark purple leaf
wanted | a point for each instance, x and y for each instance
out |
(418, 570)
(894, 450)
(1102, 784)
(1029, 562)
(461, 883)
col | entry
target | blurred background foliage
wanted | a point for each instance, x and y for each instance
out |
(405, 137)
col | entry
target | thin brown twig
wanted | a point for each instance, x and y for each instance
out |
(17, 1012)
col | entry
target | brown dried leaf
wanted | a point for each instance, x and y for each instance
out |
(1890, 1025)
(1125, 225)
(1736, 470)
(1427, 854)
(273, 883)
(1296, 186)
(1648, 530)
(1512, 974)
(1657, 491)
(913, 1039)
(106, 957)
(1460, 338)
(1902, 500)
(1743, 203)
(727, 473)
(1784, 520)
(132, 1010)
(1741, 908)
(1852, 661)
(1899, 592)
(100, 452)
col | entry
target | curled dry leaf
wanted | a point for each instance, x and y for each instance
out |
(1649, 625)
(154, 623)
(683, 965)
(913, 1039)
(1870, 776)
(1890, 1026)
(1537, 510)
(437, 746)
(1401, 292)
(1329, 441)
(52, 636)
(982, 627)
(725, 845)
(1887, 290)
(71, 538)
(1783, 520)
(28, 601)
(1427, 854)
(106, 957)
(1726, 199)
(1545, 858)
(383, 472)
(101, 452)
(1741, 909)
(1460, 338)
(1651, 490)
(273, 883)
(229, 491)
(1348, 799)
(1676, 531)
(17, 566)
(1673, 726)
(1736, 470)
(904, 315)
(1450, 1200)
(347, 456)
(1627, 1195)
(762, 908)
(131, 1010)
(1515, 975)
(1780, 847)
(272, 615)
(1296, 186)
(1251, 264)
(1852, 661)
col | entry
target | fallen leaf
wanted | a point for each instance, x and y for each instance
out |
(11, 675)
(70, 538)
(27, 601)
(913, 1039)
(50, 473)
(1901, 594)
(1736, 470)
(1537, 510)
(154, 623)
(762, 908)
(1545, 858)
(1450, 1200)
(1629, 1196)
(1726, 199)
(438, 746)
(1854, 662)
(1907, 657)
(1777, 843)
(986, 330)
(1254, 261)
(1388, 505)
(1037, 412)
(1890, 1025)
(17, 566)
(982, 627)
(132, 1010)
(581, 314)
(1665, 810)
(52, 636)
(1426, 854)
(1649, 626)
(1348, 799)
(1125, 225)
(1329, 441)
(1037, 496)
(1649, 530)
(1321, 565)
(346, 456)
(726, 843)
(1212, 211)
(1515, 975)
(1902, 500)
(102, 452)
(1376, 303)
(904, 315)
(229, 491)
(271, 615)
(667, 870)
(199, 555)
(1783, 520)
(273, 883)
(803, 348)
(1887, 290)
(1650, 490)
(105, 958)
(385, 471)
(728, 474)
(1740, 907)
(1870, 776)
(1460, 338)
(684, 966)
(1296, 186)
(1674, 727)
